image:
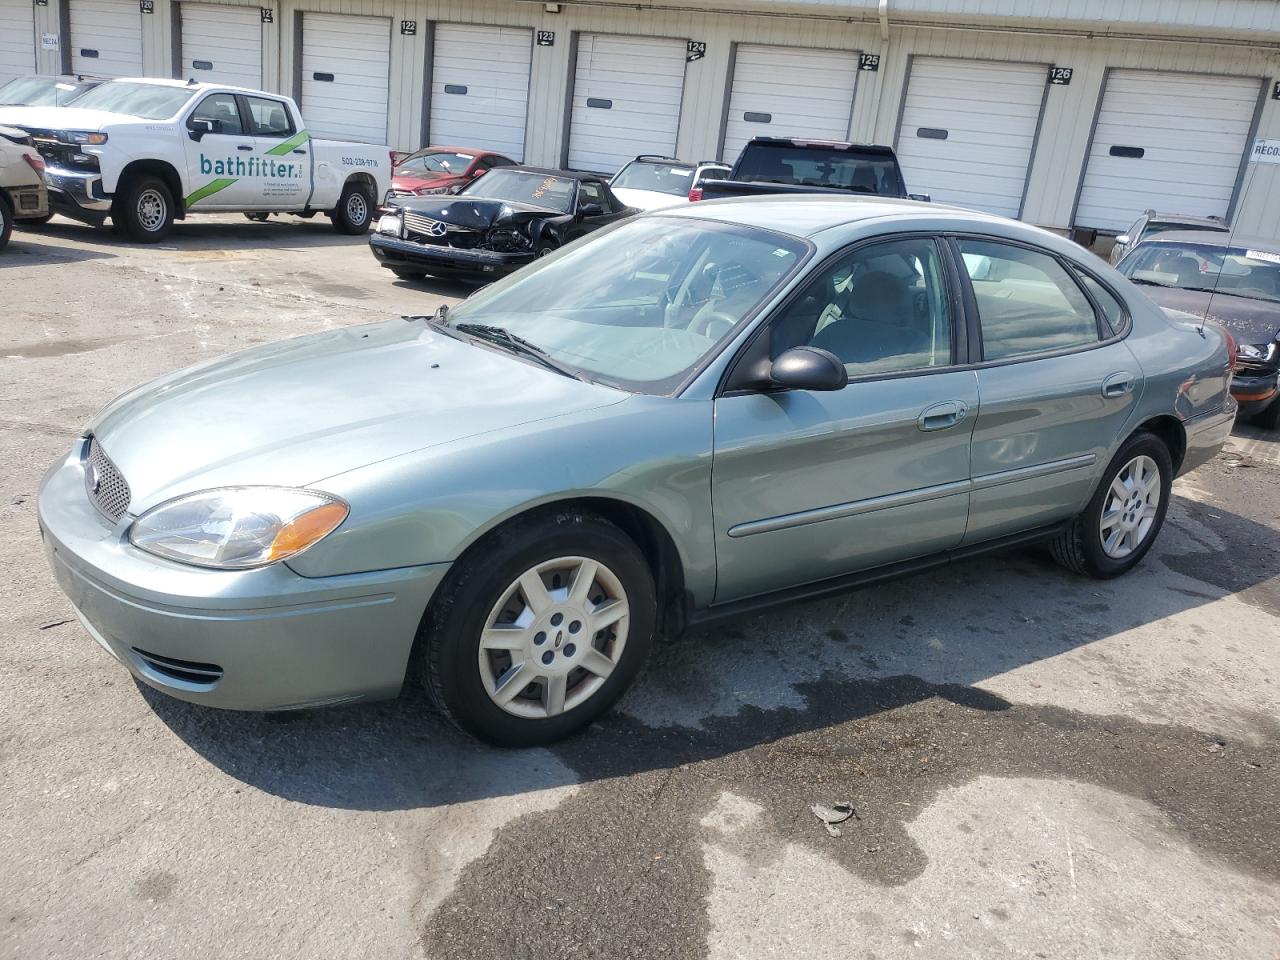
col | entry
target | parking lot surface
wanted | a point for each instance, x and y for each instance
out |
(1040, 765)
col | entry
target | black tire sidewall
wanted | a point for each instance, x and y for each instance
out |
(6, 221)
(128, 212)
(473, 588)
(1269, 416)
(1100, 564)
(340, 218)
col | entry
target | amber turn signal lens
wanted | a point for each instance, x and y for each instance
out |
(301, 533)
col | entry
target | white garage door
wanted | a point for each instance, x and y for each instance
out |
(480, 87)
(345, 76)
(626, 100)
(221, 44)
(17, 39)
(789, 91)
(1172, 142)
(106, 38)
(968, 129)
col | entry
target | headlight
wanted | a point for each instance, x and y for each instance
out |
(82, 136)
(235, 528)
(431, 191)
(390, 223)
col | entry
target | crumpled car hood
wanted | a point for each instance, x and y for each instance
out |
(1250, 321)
(480, 213)
(295, 412)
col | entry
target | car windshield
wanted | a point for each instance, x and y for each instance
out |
(661, 295)
(525, 186)
(40, 92)
(673, 178)
(435, 161)
(1238, 271)
(854, 169)
(150, 101)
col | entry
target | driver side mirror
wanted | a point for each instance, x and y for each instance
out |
(590, 210)
(922, 197)
(1122, 239)
(808, 368)
(199, 126)
(480, 173)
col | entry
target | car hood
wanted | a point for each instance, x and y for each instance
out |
(479, 213)
(66, 118)
(1250, 321)
(648, 199)
(296, 412)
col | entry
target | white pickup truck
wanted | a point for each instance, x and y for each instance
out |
(146, 152)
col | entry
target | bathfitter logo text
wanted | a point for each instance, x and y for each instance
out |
(250, 167)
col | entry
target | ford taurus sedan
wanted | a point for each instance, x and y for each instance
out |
(686, 415)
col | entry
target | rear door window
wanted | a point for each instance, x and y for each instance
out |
(270, 118)
(1028, 304)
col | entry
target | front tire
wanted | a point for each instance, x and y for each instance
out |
(6, 221)
(1269, 416)
(540, 629)
(1125, 515)
(354, 211)
(144, 211)
(257, 217)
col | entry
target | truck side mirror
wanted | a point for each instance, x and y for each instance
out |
(922, 197)
(197, 127)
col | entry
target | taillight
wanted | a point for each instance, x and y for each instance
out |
(35, 162)
(1231, 349)
(695, 194)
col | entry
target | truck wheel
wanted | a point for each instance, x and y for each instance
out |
(6, 221)
(257, 217)
(354, 210)
(144, 210)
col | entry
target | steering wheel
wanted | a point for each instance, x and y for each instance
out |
(703, 324)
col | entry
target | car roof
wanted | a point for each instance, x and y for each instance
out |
(564, 174)
(804, 215)
(657, 158)
(1211, 223)
(196, 86)
(1214, 238)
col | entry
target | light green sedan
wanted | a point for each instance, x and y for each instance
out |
(688, 415)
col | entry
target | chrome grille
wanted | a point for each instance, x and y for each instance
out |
(426, 230)
(104, 483)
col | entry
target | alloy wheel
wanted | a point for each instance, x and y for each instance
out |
(1130, 508)
(554, 637)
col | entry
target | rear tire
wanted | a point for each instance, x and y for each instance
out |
(257, 217)
(552, 659)
(354, 211)
(6, 221)
(1121, 522)
(1269, 416)
(144, 210)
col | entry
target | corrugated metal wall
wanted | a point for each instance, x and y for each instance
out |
(1058, 161)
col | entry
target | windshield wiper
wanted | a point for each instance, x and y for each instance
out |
(1147, 283)
(518, 344)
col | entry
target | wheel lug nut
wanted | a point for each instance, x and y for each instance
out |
(539, 638)
(569, 648)
(557, 619)
(575, 626)
(548, 657)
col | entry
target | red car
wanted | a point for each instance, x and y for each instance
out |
(435, 170)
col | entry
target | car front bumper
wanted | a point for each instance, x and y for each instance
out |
(77, 194)
(394, 253)
(1254, 390)
(263, 639)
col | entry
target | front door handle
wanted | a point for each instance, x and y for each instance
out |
(303, 152)
(1119, 384)
(942, 415)
(244, 146)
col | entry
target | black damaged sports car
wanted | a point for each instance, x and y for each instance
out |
(497, 224)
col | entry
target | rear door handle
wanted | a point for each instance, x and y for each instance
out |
(942, 415)
(244, 146)
(1118, 384)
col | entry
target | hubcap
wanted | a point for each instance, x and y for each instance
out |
(151, 210)
(357, 209)
(554, 637)
(1130, 509)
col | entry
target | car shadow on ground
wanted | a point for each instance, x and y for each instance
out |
(795, 671)
(204, 233)
(26, 250)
